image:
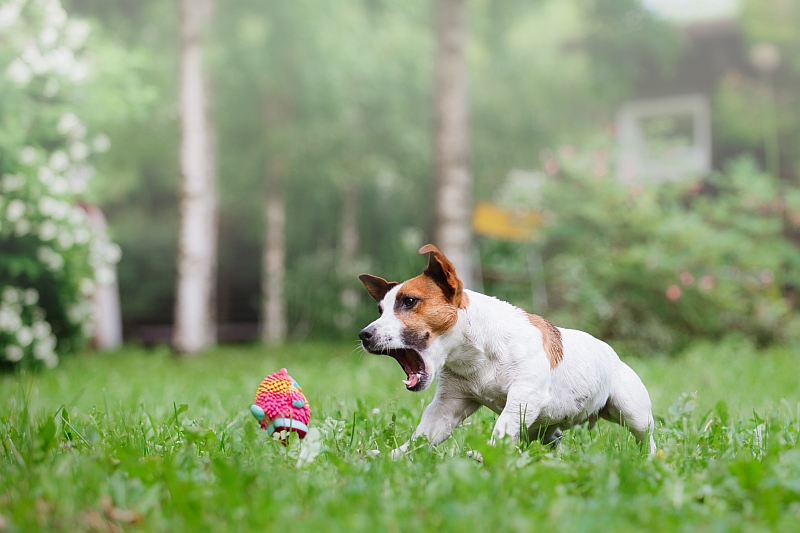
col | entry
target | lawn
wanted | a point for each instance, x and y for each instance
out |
(139, 441)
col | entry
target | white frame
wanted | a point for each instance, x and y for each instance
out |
(693, 161)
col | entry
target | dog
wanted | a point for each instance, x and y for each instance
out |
(486, 352)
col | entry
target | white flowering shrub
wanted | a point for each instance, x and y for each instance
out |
(51, 258)
(24, 330)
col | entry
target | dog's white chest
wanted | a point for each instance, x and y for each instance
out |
(493, 399)
(480, 378)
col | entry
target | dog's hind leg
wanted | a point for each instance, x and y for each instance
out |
(629, 405)
(545, 435)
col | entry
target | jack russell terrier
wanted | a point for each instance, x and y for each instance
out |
(488, 352)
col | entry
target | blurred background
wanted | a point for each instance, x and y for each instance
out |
(202, 171)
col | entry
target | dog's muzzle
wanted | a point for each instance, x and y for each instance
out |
(367, 336)
(411, 361)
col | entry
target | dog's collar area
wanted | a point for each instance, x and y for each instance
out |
(412, 364)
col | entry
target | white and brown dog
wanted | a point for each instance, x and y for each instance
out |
(487, 352)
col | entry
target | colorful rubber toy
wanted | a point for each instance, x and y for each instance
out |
(280, 405)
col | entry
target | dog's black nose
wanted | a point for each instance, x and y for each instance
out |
(366, 334)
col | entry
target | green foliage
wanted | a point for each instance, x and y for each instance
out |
(623, 37)
(649, 267)
(328, 111)
(319, 278)
(352, 85)
(141, 441)
(749, 107)
(130, 94)
(51, 258)
(352, 82)
(774, 22)
(526, 90)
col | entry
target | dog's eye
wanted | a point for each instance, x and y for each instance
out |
(407, 302)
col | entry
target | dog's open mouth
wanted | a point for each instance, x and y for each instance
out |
(412, 364)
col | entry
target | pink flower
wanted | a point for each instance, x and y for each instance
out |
(673, 292)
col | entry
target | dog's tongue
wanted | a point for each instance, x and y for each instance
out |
(412, 380)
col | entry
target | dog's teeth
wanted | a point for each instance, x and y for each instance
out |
(412, 380)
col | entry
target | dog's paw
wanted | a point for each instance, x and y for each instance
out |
(476, 455)
(397, 453)
(502, 429)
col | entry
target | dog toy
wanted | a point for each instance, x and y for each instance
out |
(280, 405)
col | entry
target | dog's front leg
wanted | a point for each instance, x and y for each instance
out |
(439, 419)
(523, 406)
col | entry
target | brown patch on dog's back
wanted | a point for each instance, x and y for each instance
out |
(432, 314)
(551, 338)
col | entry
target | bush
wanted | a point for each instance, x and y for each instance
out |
(651, 266)
(51, 258)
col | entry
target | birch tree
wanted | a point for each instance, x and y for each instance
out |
(264, 51)
(195, 321)
(273, 320)
(453, 180)
(273, 324)
(348, 252)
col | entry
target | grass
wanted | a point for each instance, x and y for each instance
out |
(139, 441)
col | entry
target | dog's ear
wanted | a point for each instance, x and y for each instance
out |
(442, 271)
(377, 287)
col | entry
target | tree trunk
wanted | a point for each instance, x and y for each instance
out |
(273, 323)
(195, 322)
(348, 241)
(348, 255)
(454, 183)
